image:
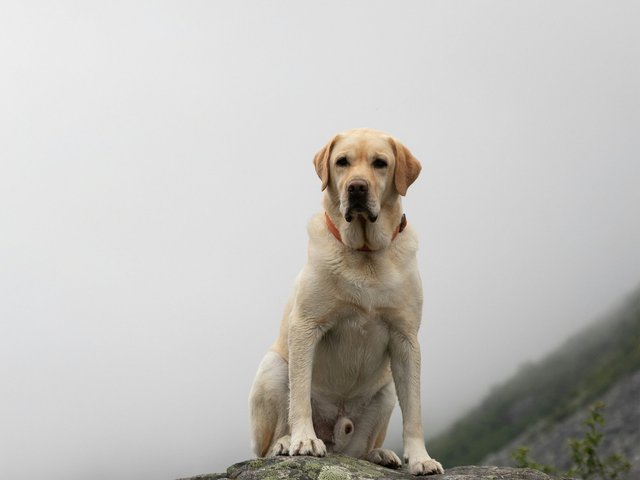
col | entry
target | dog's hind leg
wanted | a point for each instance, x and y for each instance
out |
(268, 401)
(370, 428)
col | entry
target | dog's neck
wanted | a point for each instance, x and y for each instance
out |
(361, 234)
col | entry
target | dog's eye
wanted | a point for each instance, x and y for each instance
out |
(379, 163)
(342, 162)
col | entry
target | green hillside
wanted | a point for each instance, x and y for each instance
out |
(568, 379)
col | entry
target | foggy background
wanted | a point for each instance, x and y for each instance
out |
(156, 182)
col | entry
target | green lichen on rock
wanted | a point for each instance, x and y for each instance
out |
(334, 472)
(331, 467)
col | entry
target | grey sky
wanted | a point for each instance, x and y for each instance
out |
(156, 181)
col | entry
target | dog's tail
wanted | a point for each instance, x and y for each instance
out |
(342, 433)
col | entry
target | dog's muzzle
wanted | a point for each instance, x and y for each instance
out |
(358, 200)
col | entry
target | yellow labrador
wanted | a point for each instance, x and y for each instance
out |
(349, 331)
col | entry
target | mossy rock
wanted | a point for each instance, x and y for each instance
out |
(340, 467)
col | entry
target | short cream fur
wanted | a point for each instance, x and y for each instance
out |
(348, 338)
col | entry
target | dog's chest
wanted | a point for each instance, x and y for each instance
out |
(357, 327)
(370, 287)
(353, 355)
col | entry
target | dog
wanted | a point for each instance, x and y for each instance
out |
(348, 337)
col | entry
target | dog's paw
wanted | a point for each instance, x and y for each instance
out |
(427, 466)
(308, 446)
(281, 447)
(384, 458)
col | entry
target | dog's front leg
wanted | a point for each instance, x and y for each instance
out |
(304, 335)
(405, 367)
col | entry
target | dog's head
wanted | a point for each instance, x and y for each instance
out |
(364, 170)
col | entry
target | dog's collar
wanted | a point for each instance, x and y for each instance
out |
(336, 233)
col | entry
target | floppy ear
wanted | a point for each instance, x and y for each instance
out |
(321, 162)
(407, 167)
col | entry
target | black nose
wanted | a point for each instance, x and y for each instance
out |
(358, 188)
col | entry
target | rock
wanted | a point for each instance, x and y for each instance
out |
(340, 467)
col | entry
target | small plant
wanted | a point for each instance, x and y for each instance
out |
(587, 464)
(521, 456)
